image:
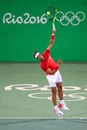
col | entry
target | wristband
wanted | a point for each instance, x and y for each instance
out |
(53, 36)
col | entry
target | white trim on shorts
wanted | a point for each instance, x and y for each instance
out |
(53, 79)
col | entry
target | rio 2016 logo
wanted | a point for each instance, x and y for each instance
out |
(68, 18)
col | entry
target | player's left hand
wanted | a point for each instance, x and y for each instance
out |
(59, 61)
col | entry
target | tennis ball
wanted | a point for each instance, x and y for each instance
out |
(48, 12)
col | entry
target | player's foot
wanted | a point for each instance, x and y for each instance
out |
(58, 112)
(63, 106)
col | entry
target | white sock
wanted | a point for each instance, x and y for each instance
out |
(55, 107)
(62, 102)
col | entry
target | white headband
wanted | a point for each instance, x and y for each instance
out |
(37, 54)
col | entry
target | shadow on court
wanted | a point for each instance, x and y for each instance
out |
(43, 124)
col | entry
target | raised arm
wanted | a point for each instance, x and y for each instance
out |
(51, 39)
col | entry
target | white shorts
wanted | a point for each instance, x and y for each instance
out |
(53, 79)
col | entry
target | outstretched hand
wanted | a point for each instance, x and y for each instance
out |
(53, 30)
(59, 62)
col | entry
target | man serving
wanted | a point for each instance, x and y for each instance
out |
(51, 69)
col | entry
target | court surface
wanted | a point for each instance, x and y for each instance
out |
(25, 98)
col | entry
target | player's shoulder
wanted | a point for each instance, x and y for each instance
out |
(46, 51)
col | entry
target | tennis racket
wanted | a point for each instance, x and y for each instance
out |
(51, 14)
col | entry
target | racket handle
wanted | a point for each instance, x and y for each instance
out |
(54, 26)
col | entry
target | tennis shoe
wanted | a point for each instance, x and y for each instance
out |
(63, 106)
(58, 112)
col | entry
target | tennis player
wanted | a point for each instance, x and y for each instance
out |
(51, 69)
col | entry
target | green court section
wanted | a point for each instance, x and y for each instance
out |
(25, 98)
(43, 124)
(24, 29)
(24, 91)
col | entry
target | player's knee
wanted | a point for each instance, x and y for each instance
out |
(59, 86)
(53, 89)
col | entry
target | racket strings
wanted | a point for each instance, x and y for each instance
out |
(51, 13)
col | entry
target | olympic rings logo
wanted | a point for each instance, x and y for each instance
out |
(64, 18)
(70, 18)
